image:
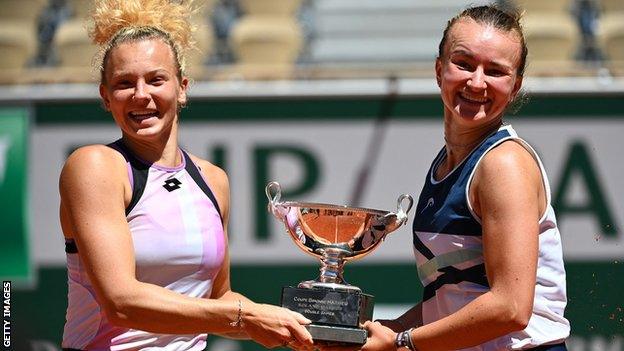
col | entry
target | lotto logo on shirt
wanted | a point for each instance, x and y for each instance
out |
(6, 314)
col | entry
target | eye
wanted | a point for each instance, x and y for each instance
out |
(495, 73)
(123, 84)
(463, 65)
(158, 80)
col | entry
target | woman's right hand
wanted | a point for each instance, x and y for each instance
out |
(274, 326)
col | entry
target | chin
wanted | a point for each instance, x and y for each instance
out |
(148, 133)
(469, 116)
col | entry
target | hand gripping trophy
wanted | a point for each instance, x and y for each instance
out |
(334, 234)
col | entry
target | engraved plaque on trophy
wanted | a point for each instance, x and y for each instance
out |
(334, 234)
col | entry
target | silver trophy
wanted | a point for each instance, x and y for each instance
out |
(334, 234)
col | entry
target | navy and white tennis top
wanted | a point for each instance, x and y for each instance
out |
(448, 247)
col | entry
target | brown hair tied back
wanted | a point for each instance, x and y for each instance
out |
(507, 20)
(118, 21)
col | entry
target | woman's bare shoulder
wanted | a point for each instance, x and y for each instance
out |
(93, 154)
(507, 172)
(510, 157)
(93, 162)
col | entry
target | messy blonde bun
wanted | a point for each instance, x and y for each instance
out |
(117, 21)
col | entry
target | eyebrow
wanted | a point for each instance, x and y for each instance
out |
(124, 74)
(497, 64)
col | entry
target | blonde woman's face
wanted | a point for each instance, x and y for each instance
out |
(142, 90)
(478, 73)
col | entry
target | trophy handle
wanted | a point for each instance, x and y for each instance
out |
(273, 192)
(402, 213)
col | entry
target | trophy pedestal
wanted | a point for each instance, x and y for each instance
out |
(336, 315)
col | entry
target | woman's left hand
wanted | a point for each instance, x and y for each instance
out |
(380, 338)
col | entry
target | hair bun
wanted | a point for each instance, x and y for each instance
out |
(169, 16)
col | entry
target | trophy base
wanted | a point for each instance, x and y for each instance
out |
(337, 335)
(336, 315)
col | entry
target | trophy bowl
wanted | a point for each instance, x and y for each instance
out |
(334, 234)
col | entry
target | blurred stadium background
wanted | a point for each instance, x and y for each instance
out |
(336, 100)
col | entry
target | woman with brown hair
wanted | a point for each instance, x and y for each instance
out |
(487, 246)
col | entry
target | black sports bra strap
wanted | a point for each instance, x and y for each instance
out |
(70, 246)
(139, 172)
(193, 171)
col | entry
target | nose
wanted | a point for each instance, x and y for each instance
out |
(140, 92)
(477, 79)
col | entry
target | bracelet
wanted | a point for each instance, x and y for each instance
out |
(404, 339)
(408, 336)
(239, 318)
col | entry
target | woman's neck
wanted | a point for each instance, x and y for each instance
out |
(459, 142)
(161, 150)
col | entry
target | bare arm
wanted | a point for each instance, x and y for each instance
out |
(257, 318)
(412, 318)
(508, 195)
(94, 191)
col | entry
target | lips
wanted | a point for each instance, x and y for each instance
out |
(473, 98)
(142, 115)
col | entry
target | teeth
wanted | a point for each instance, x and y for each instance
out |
(142, 113)
(478, 99)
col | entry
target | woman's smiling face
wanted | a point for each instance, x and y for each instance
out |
(142, 89)
(477, 72)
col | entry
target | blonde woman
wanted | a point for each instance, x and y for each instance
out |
(144, 221)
